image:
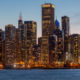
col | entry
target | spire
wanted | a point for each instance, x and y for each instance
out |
(20, 16)
(20, 21)
(57, 22)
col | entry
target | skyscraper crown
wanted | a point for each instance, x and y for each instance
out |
(57, 23)
(48, 5)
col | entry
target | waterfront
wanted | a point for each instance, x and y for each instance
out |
(42, 74)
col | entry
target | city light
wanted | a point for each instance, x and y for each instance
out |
(56, 48)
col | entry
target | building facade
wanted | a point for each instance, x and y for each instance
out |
(47, 30)
(58, 33)
(31, 33)
(75, 48)
(53, 56)
(22, 40)
(66, 33)
(10, 45)
(66, 26)
(1, 45)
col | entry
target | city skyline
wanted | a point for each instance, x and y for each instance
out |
(39, 38)
(10, 12)
(56, 48)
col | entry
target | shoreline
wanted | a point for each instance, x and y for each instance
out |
(38, 68)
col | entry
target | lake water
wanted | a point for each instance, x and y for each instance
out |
(60, 74)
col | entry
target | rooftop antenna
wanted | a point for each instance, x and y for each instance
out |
(20, 16)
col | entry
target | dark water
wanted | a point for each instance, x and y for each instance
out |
(40, 74)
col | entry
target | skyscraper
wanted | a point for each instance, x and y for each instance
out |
(58, 33)
(65, 26)
(22, 40)
(66, 33)
(31, 33)
(40, 41)
(52, 49)
(47, 30)
(48, 19)
(20, 21)
(1, 45)
(10, 45)
(18, 47)
(75, 48)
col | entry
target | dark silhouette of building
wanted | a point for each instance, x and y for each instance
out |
(65, 26)
(3, 47)
(66, 33)
(59, 35)
(52, 49)
(40, 41)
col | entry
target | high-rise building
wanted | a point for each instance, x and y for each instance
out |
(40, 41)
(48, 28)
(1, 45)
(66, 33)
(31, 33)
(75, 48)
(52, 49)
(39, 47)
(48, 19)
(22, 40)
(36, 54)
(58, 33)
(18, 47)
(65, 26)
(20, 21)
(10, 45)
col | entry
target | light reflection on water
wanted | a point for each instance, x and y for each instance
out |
(60, 74)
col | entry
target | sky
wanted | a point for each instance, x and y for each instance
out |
(31, 10)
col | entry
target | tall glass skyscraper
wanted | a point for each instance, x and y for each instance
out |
(66, 33)
(66, 26)
(47, 30)
(31, 32)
